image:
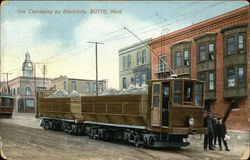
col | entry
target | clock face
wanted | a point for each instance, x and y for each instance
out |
(29, 65)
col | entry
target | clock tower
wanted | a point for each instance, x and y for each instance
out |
(27, 66)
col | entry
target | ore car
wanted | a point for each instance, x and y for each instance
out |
(6, 105)
(171, 111)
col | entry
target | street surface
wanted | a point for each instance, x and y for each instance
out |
(23, 139)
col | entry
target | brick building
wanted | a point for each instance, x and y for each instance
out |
(214, 51)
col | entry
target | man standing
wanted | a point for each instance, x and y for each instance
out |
(208, 138)
(215, 128)
(222, 131)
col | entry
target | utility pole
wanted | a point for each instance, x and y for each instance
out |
(96, 65)
(8, 88)
(44, 72)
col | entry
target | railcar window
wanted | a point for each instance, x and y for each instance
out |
(198, 95)
(188, 92)
(156, 95)
(177, 91)
(7, 102)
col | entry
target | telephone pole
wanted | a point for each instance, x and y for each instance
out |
(8, 88)
(44, 73)
(96, 65)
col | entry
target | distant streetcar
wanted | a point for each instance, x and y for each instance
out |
(171, 111)
(6, 105)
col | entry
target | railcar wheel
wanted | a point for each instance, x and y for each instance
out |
(151, 141)
(46, 125)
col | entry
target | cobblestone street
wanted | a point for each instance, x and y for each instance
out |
(23, 139)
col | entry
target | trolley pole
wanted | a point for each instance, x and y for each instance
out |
(8, 87)
(96, 65)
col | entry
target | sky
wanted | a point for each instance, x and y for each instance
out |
(57, 33)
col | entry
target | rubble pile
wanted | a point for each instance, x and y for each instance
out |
(74, 94)
(131, 90)
(60, 93)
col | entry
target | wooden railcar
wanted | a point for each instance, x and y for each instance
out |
(7, 103)
(171, 111)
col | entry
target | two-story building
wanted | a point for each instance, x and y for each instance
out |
(216, 52)
(134, 64)
(84, 87)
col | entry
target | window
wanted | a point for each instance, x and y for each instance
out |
(18, 91)
(129, 61)
(143, 79)
(86, 87)
(211, 81)
(7, 102)
(27, 91)
(156, 95)
(94, 87)
(211, 51)
(241, 42)
(29, 103)
(14, 91)
(73, 85)
(100, 87)
(202, 52)
(230, 45)
(139, 58)
(178, 59)
(188, 92)
(202, 77)
(231, 77)
(186, 58)
(124, 82)
(137, 80)
(123, 62)
(40, 88)
(163, 63)
(241, 76)
(198, 94)
(177, 91)
(144, 57)
(64, 85)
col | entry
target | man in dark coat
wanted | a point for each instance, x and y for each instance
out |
(208, 138)
(222, 131)
(215, 128)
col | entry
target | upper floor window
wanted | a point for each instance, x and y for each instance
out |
(18, 91)
(73, 85)
(178, 59)
(123, 62)
(231, 77)
(143, 79)
(163, 67)
(186, 58)
(100, 87)
(236, 76)
(211, 81)
(86, 87)
(211, 51)
(230, 45)
(28, 91)
(124, 83)
(137, 80)
(241, 42)
(129, 61)
(64, 85)
(94, 87)
(144, 60)
(139, 58)
(202, 52)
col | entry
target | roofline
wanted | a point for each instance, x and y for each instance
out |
(147, 41)
(29, 78)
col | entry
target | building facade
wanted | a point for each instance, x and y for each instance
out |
(84, 87)
(134, 65)
(24, 88)
(216, 52)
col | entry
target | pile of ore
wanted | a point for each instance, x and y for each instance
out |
(131, 90)
(60, 93)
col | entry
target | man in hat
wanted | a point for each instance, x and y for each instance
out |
(208, 138)
(222, 131)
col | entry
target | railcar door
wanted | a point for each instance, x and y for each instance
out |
(156, 104)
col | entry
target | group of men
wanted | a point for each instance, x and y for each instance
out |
(216, 130)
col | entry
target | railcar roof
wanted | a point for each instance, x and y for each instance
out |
(6, 96)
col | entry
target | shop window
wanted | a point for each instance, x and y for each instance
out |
(177, 91)
(29, 103)
(178, 59)
(230, 45)
(156, 95)
(231, 77)
(198, 94)
(202, 52)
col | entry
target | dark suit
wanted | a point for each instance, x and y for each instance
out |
(208, 138)
(215, 129)
(222, 131)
